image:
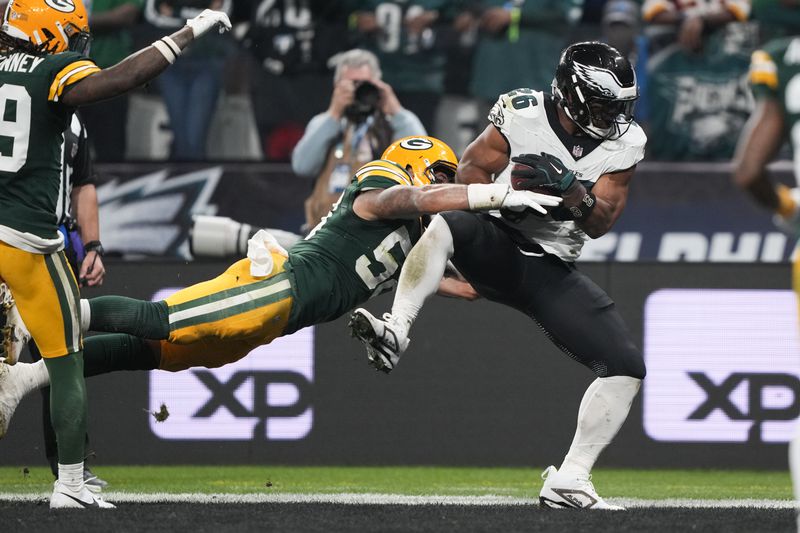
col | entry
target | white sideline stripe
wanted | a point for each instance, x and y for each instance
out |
(393, 499)
(231, 301)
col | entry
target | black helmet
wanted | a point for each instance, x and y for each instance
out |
(596, 86)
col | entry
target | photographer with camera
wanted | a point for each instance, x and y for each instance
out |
(363, 118)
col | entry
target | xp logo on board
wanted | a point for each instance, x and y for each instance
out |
(722, 365)
(265, 396)
(65, 6)
(416, 143)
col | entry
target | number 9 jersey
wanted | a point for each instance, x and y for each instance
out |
(32, 124)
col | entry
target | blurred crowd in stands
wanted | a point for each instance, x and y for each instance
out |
(249, 95)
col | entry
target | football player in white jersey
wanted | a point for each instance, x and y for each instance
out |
(580, 143)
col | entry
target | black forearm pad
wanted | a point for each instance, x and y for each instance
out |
(575, 212)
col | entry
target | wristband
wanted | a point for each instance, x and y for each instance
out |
(483, 196)
(94, 246)
(168, 48)
(172, 44)
(575, 212)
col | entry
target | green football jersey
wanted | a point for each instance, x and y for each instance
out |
(346, 260)
(775, 73)
(32, 124)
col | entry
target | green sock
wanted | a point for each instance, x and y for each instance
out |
(117, 351)
(68, 405)
(118, 314)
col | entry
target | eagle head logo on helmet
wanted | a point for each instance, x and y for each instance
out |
(596, 87)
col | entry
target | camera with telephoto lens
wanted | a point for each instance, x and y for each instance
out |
(212, 236)
(365, 102)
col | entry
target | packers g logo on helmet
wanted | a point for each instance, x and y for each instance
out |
(65, 6)
(52, 26)
(427, 159)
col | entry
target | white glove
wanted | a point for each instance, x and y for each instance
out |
(519, 200)
(208, 19)
(488, 196)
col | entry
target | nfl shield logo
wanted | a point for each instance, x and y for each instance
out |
(577, 151)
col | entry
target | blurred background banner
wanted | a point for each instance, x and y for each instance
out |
(480, 385)
(676, 211)
(146, 209)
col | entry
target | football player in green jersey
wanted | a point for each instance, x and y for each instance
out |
(775, 80)
(44, 76)
(353, 254)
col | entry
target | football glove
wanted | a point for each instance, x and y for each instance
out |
(546, 173)
(208, 19)
(543, 172)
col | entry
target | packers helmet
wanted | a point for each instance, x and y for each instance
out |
(49, 26)
(426, 159)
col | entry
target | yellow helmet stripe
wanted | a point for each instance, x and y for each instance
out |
(72, 73)
(384, 170)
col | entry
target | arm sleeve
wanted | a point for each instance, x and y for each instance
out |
(68, 70)
(763, 75)
(380, 174)
(405, 124)
(309, 153)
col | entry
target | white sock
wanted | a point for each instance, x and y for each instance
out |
(422, 272)
(71, 476)
(86, 315)
(603, 410)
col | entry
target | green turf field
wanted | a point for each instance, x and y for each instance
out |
(513, 482)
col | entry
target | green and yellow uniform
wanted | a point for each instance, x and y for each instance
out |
(775, 74)
(343, 262)
(32, 124)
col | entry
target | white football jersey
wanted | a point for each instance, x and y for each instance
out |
(528, 119)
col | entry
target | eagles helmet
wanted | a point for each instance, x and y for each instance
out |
(426, 159)
(48, 26)
(596, 87)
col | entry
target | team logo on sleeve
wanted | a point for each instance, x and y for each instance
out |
(65, 6)
(496, 115)
(416, 143)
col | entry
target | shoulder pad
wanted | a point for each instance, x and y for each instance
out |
(763, 70)
(518, 105)
(626, 151)
(380, 168)
(65, 69)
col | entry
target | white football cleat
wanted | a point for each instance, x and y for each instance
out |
(383, 339)
(15, 334)
(565, 491)
(65, 498)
